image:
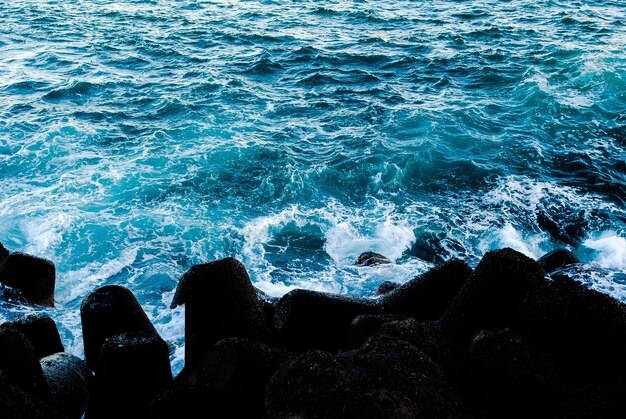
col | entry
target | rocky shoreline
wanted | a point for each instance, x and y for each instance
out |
(511, 338)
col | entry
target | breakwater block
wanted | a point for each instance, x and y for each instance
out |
(236, 369)
(68, 378)
(34, 277)
(585, 329)
(386, 377)
(19, 364)
(556, 259)
(15, 403)
(132, 370)
(41, 331)
(426, 297)
(366, 325)
(491, 295)
(316, 320)
(220, 302)
(109, 311)
(505, 373)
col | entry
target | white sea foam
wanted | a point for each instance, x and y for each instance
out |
(344, 243)
(78, 282)
(611, 250)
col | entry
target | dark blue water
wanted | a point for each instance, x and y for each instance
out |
(138, 138)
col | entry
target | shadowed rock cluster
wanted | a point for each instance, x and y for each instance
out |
(503, 340)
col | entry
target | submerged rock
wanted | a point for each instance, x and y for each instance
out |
(556, 259)
(34, 277)
(386, 287)
(220, 302)
(42, 332)
(316, 320)
(109, 311)
(372, 259)
(426, 297)
(68, 378)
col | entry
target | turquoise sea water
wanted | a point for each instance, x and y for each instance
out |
(138, 138)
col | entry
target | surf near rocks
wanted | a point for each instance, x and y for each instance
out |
(502, 340)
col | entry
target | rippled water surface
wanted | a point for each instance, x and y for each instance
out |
(138, 138)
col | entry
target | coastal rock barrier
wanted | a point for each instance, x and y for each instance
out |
(513, 337)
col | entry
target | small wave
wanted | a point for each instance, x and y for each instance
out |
(75, 90)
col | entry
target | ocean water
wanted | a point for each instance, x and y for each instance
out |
(138, 138)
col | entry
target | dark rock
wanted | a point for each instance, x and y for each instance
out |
(491, 295)
(313, 385)
(220, 302)
(268, 303)
(68, 379)
(109, 311)
(426, 297)
(585, 329)
(4, 253)
(34, 277)
(557, 259)
(366, 325)
(426, 336)
(132, 370)
(11, 295)
(386, 287)
(15, 403)
(179, 402)
(19, 363)
(593, 400)
(235, 370)
(42, 332)
(315, 320)
(372, 259)
(508, 377)
(386, 377)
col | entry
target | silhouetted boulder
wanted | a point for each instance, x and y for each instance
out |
(109, 311)
(386, 287)
(234, 373)
(316, 320)
(15, 403)
(585, 329)
(491, 295)
(42, 332)
(372, 259)
(386, 377)
(557, 259)
(34, 277)
(68, 378)
(4, 253)
(132, 370)
(507, 376)
(220, 302)
(366, 325)
(180, 402)
(426, 336)
(593, 400)
(19, 364)
(427, 296)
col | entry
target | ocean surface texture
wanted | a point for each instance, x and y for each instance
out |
(138, 138)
